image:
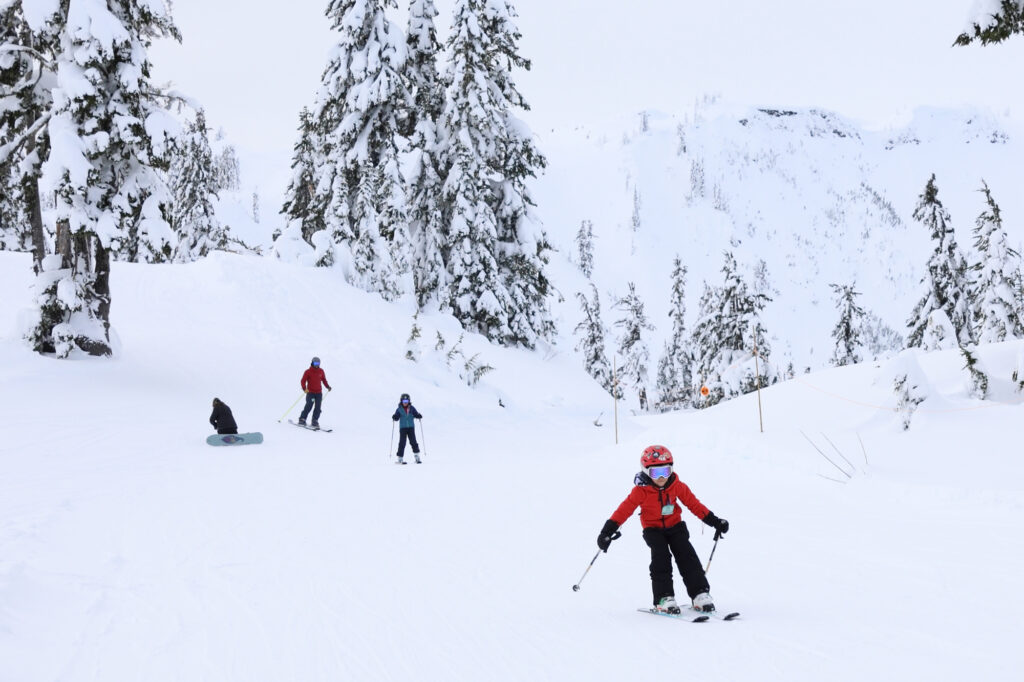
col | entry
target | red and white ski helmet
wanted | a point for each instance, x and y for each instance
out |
(655, 455)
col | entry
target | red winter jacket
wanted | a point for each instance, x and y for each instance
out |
(311, 380)
(651, 499)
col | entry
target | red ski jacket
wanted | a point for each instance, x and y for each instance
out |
(311, 380)
(653, 500)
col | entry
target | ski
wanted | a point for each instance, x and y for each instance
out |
(309, 428)
(718, 615)
(702, 618)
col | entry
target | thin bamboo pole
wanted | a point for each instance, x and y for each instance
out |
(757, 371)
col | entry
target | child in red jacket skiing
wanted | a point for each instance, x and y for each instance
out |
(656, 492)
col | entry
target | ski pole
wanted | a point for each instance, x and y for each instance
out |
(292, 407)
(718, 534)
(423, 436)
(576, 587)
(391, 448)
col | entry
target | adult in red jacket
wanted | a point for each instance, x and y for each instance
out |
(312, 382)
(656, 492)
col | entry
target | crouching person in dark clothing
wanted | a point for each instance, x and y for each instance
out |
(222, 419)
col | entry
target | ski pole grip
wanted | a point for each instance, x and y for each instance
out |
(616, 535)
(718, 534)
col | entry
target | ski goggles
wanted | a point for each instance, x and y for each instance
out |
(662, 471)
(316, 364)
(405, 401)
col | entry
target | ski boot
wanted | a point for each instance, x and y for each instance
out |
(418, 460)
(668, 605)
(702, 602)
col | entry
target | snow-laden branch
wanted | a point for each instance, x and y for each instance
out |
(7, 150)
(31, 78)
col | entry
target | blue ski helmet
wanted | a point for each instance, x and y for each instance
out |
(315, 361)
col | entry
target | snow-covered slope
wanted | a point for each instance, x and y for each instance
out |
(131, 550)
(815, 197)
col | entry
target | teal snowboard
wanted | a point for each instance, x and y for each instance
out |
(235, 439)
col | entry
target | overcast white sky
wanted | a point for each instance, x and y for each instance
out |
(254, 64)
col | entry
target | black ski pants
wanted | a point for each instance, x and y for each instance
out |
(407, 433)
(666, 543)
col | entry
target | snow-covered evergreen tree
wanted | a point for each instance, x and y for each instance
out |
(26, 72)
(697, 181)
(848, 331)
(585, 247)
(632, 346)
(495, 262)
(357, 179)
(880, 339)
(946, 284)
(109, 136)
(304, 216)
(724, 337)
(227, 170)
(674, 372)
(592, 332)
(993, 21)
(978, 378)
(193, 187)
(996, 306)
(428, 233)
(14, 230)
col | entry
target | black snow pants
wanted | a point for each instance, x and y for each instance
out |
(666, 543)
(410, 435)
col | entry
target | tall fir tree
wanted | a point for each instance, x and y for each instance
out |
(632, 346)
(495, 262)
(585, 247)
(849, 330)
(674, 367)
(592, 333)
(304, 216)
(726, 336)
(358, 183)
(428, 236)
(193, 187)
(946, 284)
(110, 135)
(996, 306)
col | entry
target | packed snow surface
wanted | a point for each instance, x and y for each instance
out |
(132, 550)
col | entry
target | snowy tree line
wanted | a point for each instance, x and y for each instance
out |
(94, 167)
(412, 178)
(967, 299)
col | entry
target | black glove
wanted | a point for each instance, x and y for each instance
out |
(721, 525)
(419, 416)
(394, 417)
(604, 539)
